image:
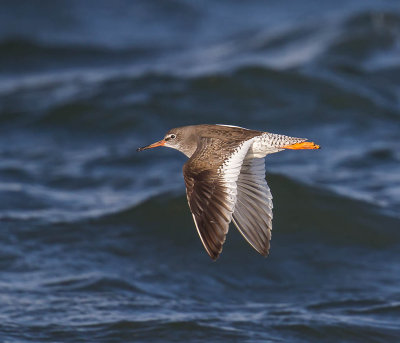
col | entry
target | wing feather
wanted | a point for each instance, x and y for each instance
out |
(253, 211)
(210, 177)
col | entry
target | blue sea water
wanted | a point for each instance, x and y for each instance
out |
(97, 243)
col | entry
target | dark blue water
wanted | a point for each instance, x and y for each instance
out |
(96, 241)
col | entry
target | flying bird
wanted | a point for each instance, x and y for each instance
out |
(225, 180)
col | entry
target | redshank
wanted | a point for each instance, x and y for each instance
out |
(225, 180)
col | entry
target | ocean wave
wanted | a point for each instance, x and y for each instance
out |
(298, 207)
(100, 193)
(22, 46)
(21, 56)
(97, 241)
(91, 283)
(87, 103)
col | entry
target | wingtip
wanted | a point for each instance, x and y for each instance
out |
(265, 253)
(213, 255)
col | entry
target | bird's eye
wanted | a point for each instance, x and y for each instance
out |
(172, 136)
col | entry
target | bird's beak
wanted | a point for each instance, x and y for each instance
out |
(154, 145)
(302, 145)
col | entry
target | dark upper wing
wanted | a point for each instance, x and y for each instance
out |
(210, 179)
(253, 210)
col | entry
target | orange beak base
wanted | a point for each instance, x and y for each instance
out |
(154, 145)
(302, 145)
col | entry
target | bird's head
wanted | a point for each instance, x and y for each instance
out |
(181, 138)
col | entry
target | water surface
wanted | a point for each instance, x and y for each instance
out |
(97, 243)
